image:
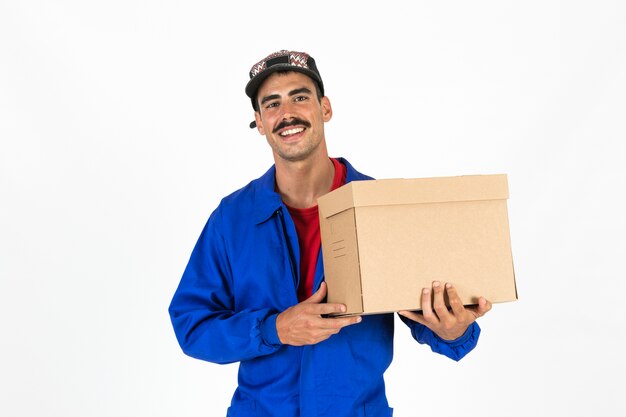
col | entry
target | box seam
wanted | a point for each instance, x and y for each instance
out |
(358, 260)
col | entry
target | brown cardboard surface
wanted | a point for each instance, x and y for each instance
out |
(385, 240)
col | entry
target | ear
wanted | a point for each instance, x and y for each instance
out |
(327, 110)
(259, 125)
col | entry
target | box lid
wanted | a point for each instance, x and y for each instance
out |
(414, 191)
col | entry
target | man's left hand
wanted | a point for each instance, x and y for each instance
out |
(449, 324)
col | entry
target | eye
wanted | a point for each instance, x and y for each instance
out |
(301, 98)
(271, 105)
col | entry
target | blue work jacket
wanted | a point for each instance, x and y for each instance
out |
(242, 273)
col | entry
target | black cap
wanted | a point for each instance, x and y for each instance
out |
(281, 61)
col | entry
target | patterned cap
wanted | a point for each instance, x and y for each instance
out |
(282, 61)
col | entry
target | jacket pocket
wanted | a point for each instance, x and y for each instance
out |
(242, 409)
(378, 410)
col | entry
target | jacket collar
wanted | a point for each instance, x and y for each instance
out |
(267, 201)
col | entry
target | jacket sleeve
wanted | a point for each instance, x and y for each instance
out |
(203, 310)
(453, 349)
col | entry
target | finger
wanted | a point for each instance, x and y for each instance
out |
(318, 296)
(330, 325)
(484, 306)
(479, 310)
(455, 300)
(439, 304)
(339, 323)
(325, 308)
(427, 309)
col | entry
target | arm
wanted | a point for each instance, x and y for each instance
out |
(454, 332)
(203, 310)
(208, 326)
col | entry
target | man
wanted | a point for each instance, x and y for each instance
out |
(253, 290)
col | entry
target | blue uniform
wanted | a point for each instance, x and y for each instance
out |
(242, 273)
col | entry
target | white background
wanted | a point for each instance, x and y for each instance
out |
(122, 124)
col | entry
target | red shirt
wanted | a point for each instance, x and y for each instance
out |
(307, 223)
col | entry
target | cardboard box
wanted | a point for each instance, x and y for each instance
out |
(385, 240)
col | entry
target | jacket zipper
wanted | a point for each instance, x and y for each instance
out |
(294, 273)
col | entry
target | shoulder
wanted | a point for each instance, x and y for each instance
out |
(245, 202)
(238, 201)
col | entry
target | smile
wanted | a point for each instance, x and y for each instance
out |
(291, 131)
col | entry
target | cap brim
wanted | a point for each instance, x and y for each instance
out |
(254, 84)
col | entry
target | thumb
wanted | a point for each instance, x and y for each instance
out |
(318, 296)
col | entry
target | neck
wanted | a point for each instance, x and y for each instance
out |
(300, 183)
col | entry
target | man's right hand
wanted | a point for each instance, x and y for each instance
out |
(303, 323)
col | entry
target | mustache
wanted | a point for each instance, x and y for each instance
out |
(292, 122)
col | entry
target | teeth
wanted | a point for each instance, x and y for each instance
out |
(291, 131)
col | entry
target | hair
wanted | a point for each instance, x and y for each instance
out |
(318, 90)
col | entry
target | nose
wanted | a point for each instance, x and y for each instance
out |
(287, 110)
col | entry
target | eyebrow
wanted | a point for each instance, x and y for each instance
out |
(299, 91)
(268, 98)
(290, 94)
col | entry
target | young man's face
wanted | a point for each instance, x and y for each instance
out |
(290, 115)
